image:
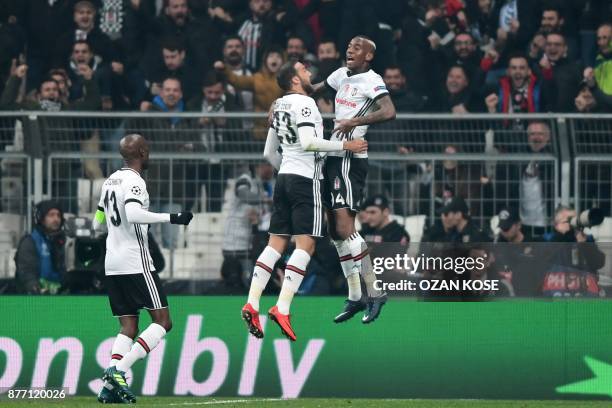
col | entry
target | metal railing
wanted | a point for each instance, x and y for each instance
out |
(415, 160)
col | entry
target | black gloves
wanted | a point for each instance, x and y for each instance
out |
(181, 218)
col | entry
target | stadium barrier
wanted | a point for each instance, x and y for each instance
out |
(413, 160)
(498, 350)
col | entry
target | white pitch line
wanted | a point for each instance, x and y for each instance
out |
(239, 401)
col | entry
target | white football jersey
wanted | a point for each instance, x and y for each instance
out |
(127, 245)
(291, 112)
(355, 96)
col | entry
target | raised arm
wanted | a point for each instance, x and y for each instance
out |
(318, 87)
(385, 112)
(8, 100)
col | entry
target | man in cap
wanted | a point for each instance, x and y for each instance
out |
(456, 225)
(517, 261)
(40, 257)
(380, 226)
(509, 227)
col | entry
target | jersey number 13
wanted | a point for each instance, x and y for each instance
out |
(115, 218)
(286, 134)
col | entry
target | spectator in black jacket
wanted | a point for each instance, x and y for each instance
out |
(44, 22)
(404, 99)
(82, 54)
(233, 58)
(483, 18)
(216, 133)
(260, 29)
(457, 96)
(385, 174)
(562, 76)
(48, 97)
(518, 22)
(519, 263)
(40, 257)
(465, 53)
(553, 21)
(174, 61)
(200, 36)
(129, 37)
(378, 226)
(12, 43)
(84, 28)
(328, 59)
(455, 225)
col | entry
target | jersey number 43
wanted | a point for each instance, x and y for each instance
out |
(283, 127)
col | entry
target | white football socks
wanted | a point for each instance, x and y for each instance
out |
(294, 274)
(261, 274)
(121, 347)
(351, 275)
(363, 263)
(147, 341)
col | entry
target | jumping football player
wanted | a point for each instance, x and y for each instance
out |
(361, 100)
(131, 279)
(297, 203)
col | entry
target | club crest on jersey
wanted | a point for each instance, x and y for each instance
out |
(347, 88)
(306, 112)
(354, 92)
(136, 190)
(336, 183)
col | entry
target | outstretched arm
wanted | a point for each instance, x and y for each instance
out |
(137, 215)
(311, 143)
(385, 112)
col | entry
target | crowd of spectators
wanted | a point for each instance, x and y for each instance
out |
(438, 56)
(435, 55)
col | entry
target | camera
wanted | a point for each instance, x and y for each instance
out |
(587, 218)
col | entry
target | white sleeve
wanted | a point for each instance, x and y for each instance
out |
(333, 80)
(134, 190)
(306, 113)
(137, 215)
(375, 87)
(311, 143)
(271, 153)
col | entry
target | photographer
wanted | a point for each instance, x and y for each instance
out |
(519, 263)
(583, 252)
(40, 257)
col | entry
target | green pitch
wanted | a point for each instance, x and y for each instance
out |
(172, 402)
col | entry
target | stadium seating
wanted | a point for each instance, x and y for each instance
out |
(88, 194)
(415, 225)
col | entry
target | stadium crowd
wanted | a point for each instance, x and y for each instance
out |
(435, 56)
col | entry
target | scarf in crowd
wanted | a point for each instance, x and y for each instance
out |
(180, 107)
